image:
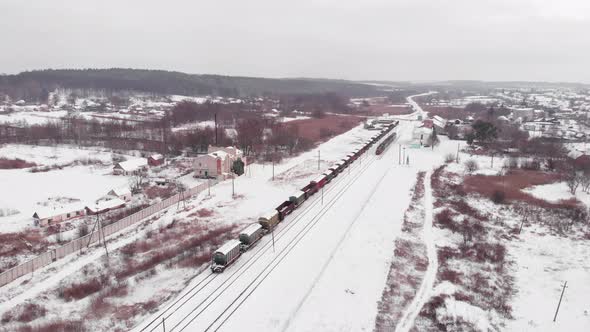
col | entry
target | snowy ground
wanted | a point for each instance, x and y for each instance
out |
(330, 260)
(27, 189)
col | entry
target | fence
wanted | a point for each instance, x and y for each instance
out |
(81, 242)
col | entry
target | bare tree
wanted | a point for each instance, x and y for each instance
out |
(471, 166)
(136, 182)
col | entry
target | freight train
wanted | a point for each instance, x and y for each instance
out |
(230, 251)
(385, 144)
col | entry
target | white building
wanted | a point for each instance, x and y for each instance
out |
(130, 167)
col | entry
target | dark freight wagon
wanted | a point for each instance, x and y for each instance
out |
(250, 235)
(284, 209)
(225, 255)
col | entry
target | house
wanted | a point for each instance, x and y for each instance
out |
(52, 215)
(122, 193)
(212, 164)
(130, 167)
(105, 205)
(156, 160)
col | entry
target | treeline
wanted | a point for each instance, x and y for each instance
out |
(36, 85)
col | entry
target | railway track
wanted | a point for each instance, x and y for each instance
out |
(218, 292)
(157, 322)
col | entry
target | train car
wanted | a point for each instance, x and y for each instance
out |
(269, 220)
(297, 198)
(337, 168)
(385, 144)
(320, 181)
(284, 209)
(309, 189)
(225, 255)
(250, 235)
(329, 174)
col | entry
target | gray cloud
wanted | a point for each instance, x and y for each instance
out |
(370, 39)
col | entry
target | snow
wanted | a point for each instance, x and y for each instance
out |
(83, 183)
(333, 252)
(545, 263)
(553, 192)
(227, 247)
(424, 292)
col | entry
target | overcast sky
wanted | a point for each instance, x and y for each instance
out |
(363, 39)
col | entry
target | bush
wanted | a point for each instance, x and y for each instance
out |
(445, 218)
(449, 158)
(471, 166)
(498, 196)
(78, 291)
(24, 313)
(58, 325)
(15, 163)
(83, 229)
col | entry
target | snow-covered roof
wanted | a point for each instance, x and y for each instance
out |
(228, 246)
(104, 205)
(133, 164)
(157, 156)
(52, 211)
(251, 229)
(269, 215)
(121, 191)
(221, 154)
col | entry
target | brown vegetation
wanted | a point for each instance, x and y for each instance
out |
(6, 163)
(311, 129)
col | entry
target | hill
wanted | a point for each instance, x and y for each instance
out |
(33, 85)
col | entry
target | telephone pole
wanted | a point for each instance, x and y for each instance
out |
(559, 304)
(318, 160)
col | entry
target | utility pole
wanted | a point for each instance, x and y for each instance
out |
(559, 304)
(216, 130)
(492, 163)
(457, 160)
(208, 187)
(164, 323)
(233, 192)
(318, 160)
(322, 195)
(400, 154)
(273, 168)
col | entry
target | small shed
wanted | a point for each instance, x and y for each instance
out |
(130, 167)
(156, 160)
(122, 193)
(105, 205)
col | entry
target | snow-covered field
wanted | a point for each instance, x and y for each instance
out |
(23, 190)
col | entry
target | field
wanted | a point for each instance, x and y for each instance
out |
(319, 130)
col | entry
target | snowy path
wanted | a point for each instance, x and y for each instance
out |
(423, 294)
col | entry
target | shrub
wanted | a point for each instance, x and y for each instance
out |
(78, 291)
(204, 213)
(498, 196)
(451, 276)
(24, 313)
(449, 158)
(15, 163)
(83, 229)
(471, 166)
(54, 326)
(444, 218)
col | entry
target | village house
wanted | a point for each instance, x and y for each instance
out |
(212, 164)
(52, 215)
(130, 167)
(105, 205)
(122, 193)
(156, 160)
(217, 161)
